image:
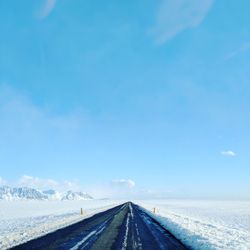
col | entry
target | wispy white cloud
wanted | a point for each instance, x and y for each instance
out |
(32, 128)
(242, 49)
(118, 189)
(42, 183)
(126, 189)
(123, 183)
(2, 181)
(229, 153)
(175, 16)
(35, 182)
(47, 8)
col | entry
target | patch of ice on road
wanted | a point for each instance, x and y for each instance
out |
(131, 210)
(83, 240)
(125, 241)
(205, 224)
(24, 220)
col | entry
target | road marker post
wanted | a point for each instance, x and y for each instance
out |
(81, 211)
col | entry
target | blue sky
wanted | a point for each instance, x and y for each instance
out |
(105, 94)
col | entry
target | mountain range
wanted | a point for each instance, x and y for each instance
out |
(27, 193)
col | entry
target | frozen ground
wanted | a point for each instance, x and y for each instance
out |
(23, 220)
(205, 224)
(199, 224)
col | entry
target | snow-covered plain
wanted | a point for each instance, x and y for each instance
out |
(205, 224)
(199, 224)
(21, 221)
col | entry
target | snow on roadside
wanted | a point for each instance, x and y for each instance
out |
(205, 225)
(202, 225)
(24, 220)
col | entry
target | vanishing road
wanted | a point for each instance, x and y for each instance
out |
(123, 227)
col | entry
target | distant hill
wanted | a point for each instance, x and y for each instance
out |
(70, 195)
(26, 193)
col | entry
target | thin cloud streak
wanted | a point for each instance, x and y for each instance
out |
(244, 48)
(173, 17)
(48, 7)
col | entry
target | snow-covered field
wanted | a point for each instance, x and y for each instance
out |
(205, 224)
(23, 220)
(199, 224)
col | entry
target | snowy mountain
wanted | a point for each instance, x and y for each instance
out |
(53, 195)
(26, 193)
(70, 195)
(9, 193)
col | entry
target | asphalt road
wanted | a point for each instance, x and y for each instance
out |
(123, 227)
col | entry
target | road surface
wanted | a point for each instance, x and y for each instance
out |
(123, 227)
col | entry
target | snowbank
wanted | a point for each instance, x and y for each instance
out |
(24, 220)
(205, 224)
